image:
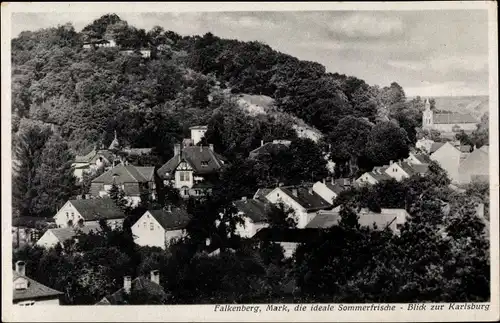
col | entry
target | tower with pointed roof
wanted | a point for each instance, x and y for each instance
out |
(115, 145)
(428, 116)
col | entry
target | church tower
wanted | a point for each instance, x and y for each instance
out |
(427, 116)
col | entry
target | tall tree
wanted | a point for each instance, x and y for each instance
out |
(28, 151)
(54, 180)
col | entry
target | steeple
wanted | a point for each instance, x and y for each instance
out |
(427, 104)
(115, 145)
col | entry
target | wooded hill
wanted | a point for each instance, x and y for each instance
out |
(90, 93)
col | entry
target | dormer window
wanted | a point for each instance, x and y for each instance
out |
(21, 284)
(204, 163)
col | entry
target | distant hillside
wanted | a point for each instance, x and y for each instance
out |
(475, 105)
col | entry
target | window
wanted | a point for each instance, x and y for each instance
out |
(72, 214)
(67, 214)
(27, 303)
(204, 163)
(21, 285)
(145, 225)
(184, 176)
(151, 226)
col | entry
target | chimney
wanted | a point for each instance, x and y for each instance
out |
(127, 284)
(155, 276)
(324, 180)
(280, 184)
(177, 149)
(310, 190)
(21, 267)
(332, 180)
(211, 147)
(207, 242)
(201, 148)
(294, 192)
(168, 208)
(262, 143)
(391, 162)
(244, 198)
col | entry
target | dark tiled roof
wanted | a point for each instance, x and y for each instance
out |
(140, 283)
(86, 158)
(104, 153)
(306, 197)
(126, 174)
(324, 219)
(100, 208)
(35, 290)
(63, 234)
(453, 118)
(336, 188)
(435, 146)
(194, 156)
(262, 193)
(176, 219)
(423, 158)
(421, 169)
(256, 210)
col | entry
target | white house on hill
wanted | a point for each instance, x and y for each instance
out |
(254, 215)
(53, 237)
(302, 200)
(88, 212)
(159, 228)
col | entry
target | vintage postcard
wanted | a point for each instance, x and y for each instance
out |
(258, 162)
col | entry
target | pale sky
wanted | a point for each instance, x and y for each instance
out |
(429, 53)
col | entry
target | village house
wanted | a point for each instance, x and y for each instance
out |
(98, 43)
(87, 212)
(393, 219)
(269, 148)
(377, 175)
(141, 284)
(329, 190)
(301, 199)
(192, 167)
(105, 158)
(28, 292)
(448, 157)
(447, 123)
(145, 52)
(475, 167)
(93, 161)
(416, 158)
(401, 170)
(159, 228)
(254, 214)
(134, 181)
(58, 236)
(26, 230)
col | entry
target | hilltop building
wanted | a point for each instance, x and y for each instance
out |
(447, 123)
